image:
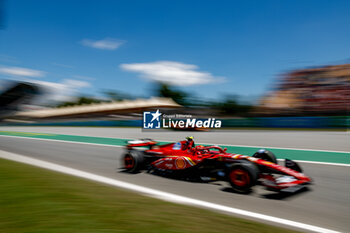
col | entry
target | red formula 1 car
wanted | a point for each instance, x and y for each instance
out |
(214, 163)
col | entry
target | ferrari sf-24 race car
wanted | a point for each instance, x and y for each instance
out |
(214, 163)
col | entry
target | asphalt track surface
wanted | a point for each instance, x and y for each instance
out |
(317, 140)
(326, 204)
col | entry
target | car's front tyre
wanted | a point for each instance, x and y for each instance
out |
(242, 176)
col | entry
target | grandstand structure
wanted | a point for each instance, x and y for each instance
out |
(122, 109)
(314, 91)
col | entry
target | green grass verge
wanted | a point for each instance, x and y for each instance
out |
(37, 200)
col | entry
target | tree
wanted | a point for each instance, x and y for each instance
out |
(180, 97)
(231, 106)
(80, 101)
(116, 96)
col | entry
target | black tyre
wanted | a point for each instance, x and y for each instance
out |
(265, 155)
(133, 161)
(242, 176)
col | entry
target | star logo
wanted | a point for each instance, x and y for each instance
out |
(156, 115)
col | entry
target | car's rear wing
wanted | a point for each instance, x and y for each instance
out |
(141, 143)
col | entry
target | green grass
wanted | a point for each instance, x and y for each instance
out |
(37, 200)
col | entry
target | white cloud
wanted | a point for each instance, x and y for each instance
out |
(58, 91)
(53, 91)
(174, 73)
(22, 72)
(106, 44)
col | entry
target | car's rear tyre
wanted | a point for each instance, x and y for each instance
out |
(133, 161)
(243, 176)
(265, 155)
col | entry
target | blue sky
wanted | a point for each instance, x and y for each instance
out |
(208, 48)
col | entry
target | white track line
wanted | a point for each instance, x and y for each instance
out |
(159, 194)
(56, 140)
(321, 163)
(96, 144)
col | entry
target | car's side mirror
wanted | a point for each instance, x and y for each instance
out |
(225, 149)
